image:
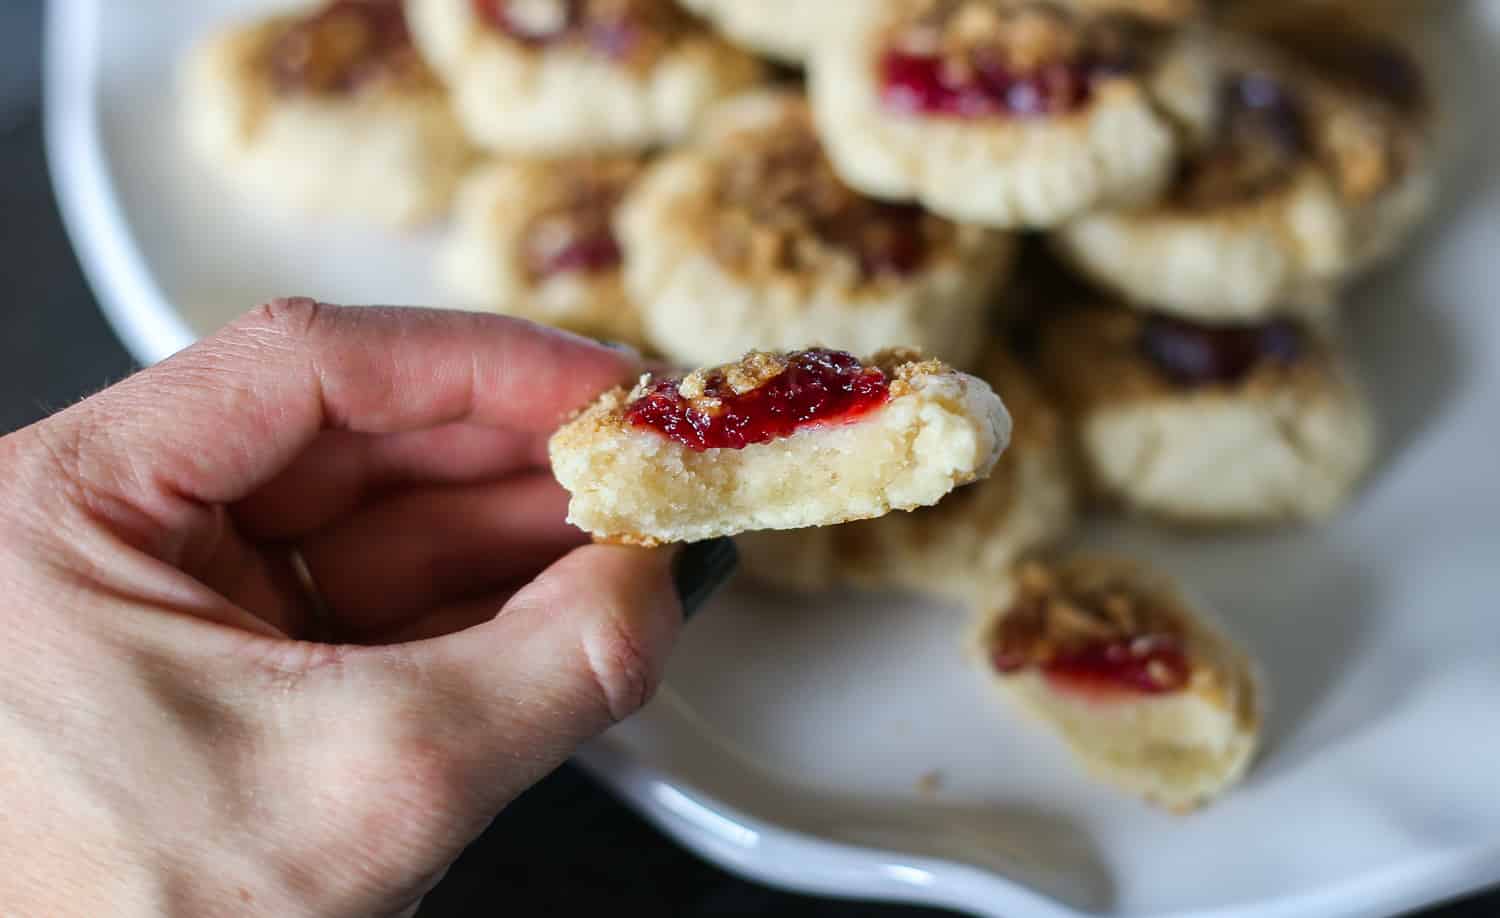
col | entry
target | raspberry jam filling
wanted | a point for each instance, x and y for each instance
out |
(1262, 138)
(817, 387)
(616, 32)
(1090, 632)
(343, 47)
(923, 85)
(1145, 665)
(1192, 355)
(593, 253)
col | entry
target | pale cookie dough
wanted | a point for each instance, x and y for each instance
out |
(1210, 424)
(747, 240)
(1006, 113)
(1148, 694)
(566, 77)
(782, 29)
(646, 467)
(962, 544)
(328, 112)
(534, 238)
(1304, 177)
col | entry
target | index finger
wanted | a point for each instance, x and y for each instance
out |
(220, 419)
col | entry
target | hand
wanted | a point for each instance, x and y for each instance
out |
(182, 734)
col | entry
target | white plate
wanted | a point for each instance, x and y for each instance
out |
(790, 742)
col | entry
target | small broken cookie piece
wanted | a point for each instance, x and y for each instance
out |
(775, 441)
(1210, 424)
(570, 77)
(971, 538)
(535, 238)
(782, 29)
(1006, 113)
(1148, 694)
(1314, 164)
(747, 240)
(331, 111)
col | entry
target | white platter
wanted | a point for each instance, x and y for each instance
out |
(791, 741)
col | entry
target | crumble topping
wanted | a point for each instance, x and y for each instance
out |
(345, 47)
(636, 32)
(574, 232)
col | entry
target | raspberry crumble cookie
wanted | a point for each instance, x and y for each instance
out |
(1147, 694)
(1007, 113)
(775, 441)
(748, 240)
(566, 77)
(972, 537)
(1314, 164)
(329, 111)
(535, 238)
(1210, 424)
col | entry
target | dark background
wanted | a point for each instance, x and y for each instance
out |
(566, 848)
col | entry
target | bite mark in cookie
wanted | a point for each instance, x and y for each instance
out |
(825, 439)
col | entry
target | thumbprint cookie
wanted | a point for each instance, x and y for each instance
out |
(1210, 424)
(1006, 113)
(775, 441)
(1147, 693)
(329, 111)
(567, 77)
(1315, 164)
(747, 240)
(535, 238)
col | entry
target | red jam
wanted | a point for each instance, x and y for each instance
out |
(344, 46)
(1191, 355)
(614, 38)
(591, 254)
(1145, 665)
(917, 84)
(818, 387)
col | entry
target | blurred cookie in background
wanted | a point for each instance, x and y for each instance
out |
(746, 239)
(1209, 424)
(1314, 164)
(567, 77)
(1148, 693)
(330, 111)
(1006, 114)
(535, 238)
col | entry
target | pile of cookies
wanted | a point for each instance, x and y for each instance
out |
(1131, 219)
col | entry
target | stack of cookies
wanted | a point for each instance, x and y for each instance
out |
(1131, 219)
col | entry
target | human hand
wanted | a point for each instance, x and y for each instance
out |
(183, 735)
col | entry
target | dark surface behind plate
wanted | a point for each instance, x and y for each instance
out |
(566, 848)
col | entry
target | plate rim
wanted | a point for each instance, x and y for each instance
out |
(152, 329)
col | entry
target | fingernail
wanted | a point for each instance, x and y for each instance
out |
(629, 350)
(700, 570)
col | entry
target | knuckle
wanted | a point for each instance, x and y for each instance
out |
(623, 672)
(292, 316)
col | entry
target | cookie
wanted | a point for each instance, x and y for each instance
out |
(781, 29)
(1222, 424)
(569, 77)
(535, 238)
(1006, 113)
(747, 240)
(1148, 694)
(775, 441)
(968, 540)
(329, 112)
(1315, 165)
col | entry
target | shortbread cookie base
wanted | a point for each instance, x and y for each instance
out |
(482, 261)
(635, 486)
(1178, 750)
(1280, 254)
(390, 156)
(567, 100)
(1007, 173)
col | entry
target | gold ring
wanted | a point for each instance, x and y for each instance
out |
(316, 604)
